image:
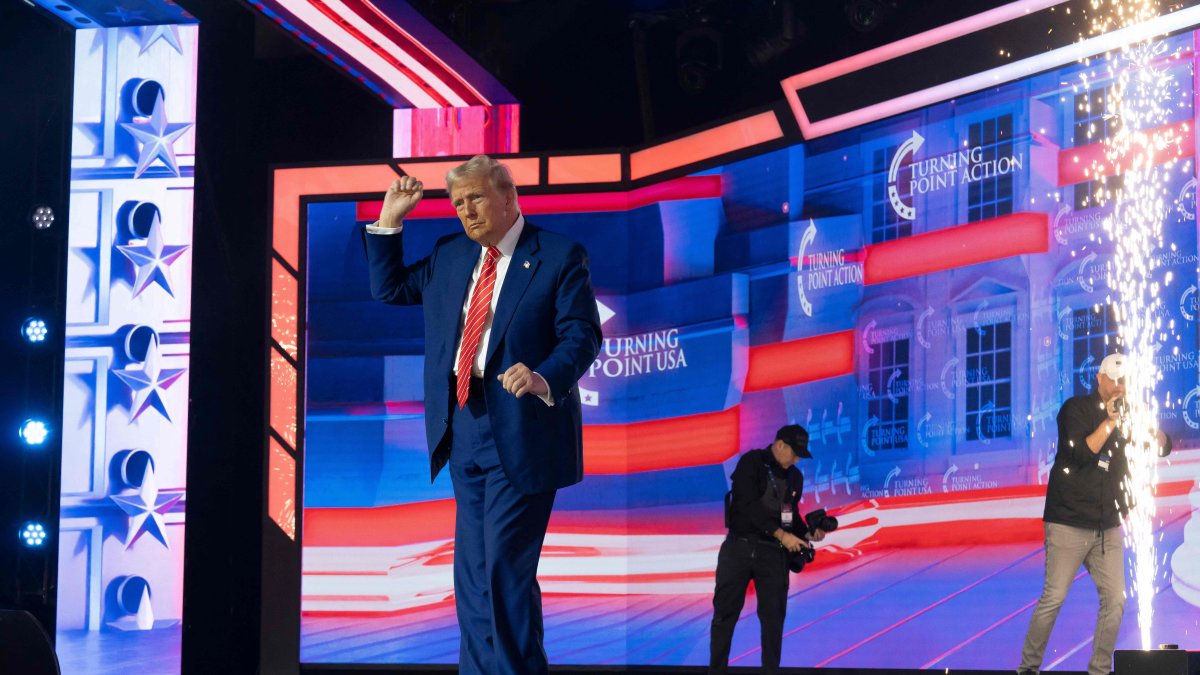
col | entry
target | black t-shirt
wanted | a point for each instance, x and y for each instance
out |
(754, 503)
(1081, 493)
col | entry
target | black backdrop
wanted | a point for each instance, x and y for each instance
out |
(258, 93)
(35, 118)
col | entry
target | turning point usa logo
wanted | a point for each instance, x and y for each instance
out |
(632, 355)
(961, 167)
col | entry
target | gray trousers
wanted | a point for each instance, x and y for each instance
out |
(1104, 557)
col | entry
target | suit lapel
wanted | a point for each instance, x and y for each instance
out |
(521, 268)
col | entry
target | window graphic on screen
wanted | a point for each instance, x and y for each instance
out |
(989, 381)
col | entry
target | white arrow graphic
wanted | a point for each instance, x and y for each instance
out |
(922, 435)
(986, 410)
(866, 337)
(921, 339)
(865, 436)
(1185, 307)
(1085, 282)
(909, 146)
(809, 234)
(587, 396)
(891, 385)
(1084, 380)
(946, 477)
(894, 473)
(605, 311)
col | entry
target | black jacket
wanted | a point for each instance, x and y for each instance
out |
(753, 504)
(1080, 493)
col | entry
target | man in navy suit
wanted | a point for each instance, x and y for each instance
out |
(510, 326)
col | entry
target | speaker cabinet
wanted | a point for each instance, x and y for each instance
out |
(24, 646)
(1156, 662)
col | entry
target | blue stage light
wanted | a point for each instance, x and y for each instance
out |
(34, 330)
(33, 535)
(34, 432)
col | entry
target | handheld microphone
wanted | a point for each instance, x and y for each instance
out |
(1121, 406)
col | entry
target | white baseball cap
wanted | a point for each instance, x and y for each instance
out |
(1113, 366)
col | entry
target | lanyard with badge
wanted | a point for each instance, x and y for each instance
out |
(786, 513)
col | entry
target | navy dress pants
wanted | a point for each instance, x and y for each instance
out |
(498, 535)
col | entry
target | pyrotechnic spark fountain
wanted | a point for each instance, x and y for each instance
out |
(1144, 148)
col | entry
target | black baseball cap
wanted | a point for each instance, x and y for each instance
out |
(797, 439)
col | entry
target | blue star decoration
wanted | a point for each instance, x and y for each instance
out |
(149, 384)
(153, 260)
(124, 15)
(168, 32)
(157, 138)
(146, 509)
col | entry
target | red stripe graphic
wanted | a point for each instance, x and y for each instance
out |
(958, 246)
(1089, 162)
(693, 440)
(783, 364)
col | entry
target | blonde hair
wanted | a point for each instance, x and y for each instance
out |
(496, 173)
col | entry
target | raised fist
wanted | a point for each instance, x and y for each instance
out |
(401, 198)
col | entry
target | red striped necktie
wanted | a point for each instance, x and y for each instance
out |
(481, 302)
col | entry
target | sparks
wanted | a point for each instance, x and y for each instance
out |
(1143, 148)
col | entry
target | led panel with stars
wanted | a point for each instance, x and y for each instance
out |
(129, 287)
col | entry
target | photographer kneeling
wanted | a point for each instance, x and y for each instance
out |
(765, 530)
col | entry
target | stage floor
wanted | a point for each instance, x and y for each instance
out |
(115, 652)
(958, 607)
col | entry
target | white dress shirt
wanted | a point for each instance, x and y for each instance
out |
(506, 246)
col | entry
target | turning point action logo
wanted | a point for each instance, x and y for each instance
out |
(960, 167)
(826, 269)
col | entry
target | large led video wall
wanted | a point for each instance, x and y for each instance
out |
(921, 293)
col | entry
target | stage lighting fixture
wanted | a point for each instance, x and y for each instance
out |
(34, 432)
(42, 217)
(33, 535)
(780, 33)
(34, 330)
(866, 15)
(700, 51)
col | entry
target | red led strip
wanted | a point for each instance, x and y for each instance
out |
(371, 14)
(382, 53)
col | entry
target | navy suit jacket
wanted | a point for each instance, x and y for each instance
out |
(545, 317)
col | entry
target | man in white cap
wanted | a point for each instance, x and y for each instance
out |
(1085, 503)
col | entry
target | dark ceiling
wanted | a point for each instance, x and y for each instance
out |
(608, 73)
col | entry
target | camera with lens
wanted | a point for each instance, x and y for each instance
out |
(815, 520)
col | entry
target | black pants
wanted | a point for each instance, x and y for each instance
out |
(739, 561)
